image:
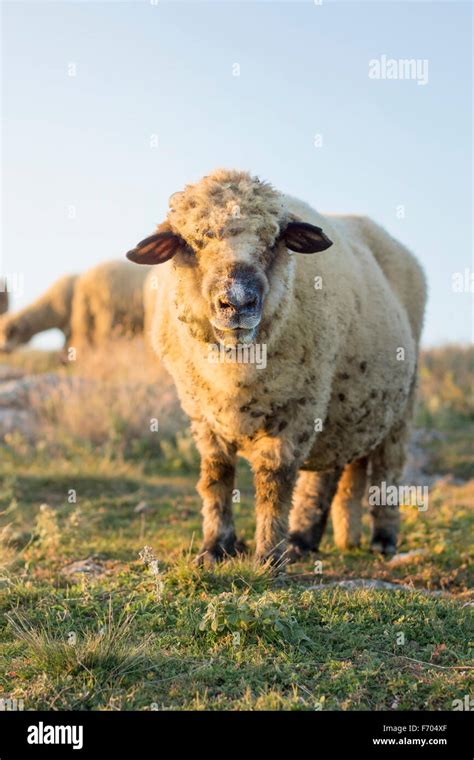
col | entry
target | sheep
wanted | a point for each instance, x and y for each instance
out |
(90, 308)
(52, 309)
(340, 330)
(108, 301)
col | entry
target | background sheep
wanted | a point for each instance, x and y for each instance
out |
(52, 309)
(108, 301)
(90, 308)
(341, 353)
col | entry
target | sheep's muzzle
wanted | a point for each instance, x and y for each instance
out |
(236, 306)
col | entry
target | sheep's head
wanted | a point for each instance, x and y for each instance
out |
(229, 237)
(10, 334)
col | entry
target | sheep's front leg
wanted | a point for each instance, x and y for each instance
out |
(273, 488)
(215, 488)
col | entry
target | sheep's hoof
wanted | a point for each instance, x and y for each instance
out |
(219, 552)
(383, 542)
(300, 546)
(206, 558)
(240, 547)
(275, 560)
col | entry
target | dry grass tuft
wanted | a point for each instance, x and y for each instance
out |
(116, 395)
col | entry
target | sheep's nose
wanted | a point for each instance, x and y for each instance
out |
(230, 302)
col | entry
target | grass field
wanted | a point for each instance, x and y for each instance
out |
(87, 623)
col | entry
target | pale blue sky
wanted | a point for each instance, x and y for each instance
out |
(167, 69)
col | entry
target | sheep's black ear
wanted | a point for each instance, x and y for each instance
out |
(156, 249)
(305, 238)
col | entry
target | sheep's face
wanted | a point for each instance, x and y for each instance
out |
(224, 285)
(10, 337)
(229, 237)
(233, 284)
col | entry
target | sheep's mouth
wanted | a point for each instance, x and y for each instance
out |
(236, 335)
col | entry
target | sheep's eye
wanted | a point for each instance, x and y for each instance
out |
(187, 251)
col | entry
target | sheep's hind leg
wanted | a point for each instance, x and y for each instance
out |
(346, 509)
(312, 499)
(386, 467)
(215, 488)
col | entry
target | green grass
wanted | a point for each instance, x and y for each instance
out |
(163, 634)
(234, 638)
